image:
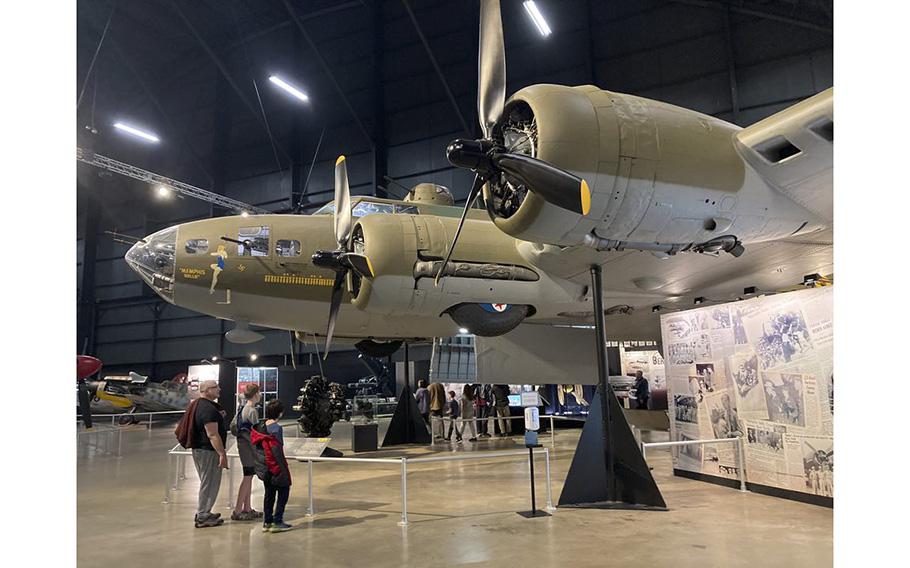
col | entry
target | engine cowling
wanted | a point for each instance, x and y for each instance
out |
(406, 251)
(657, 172)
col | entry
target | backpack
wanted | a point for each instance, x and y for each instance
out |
(259, 464)
(234, 429)
(184, 429)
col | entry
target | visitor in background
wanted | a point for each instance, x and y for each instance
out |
(209, 455)
(247, 417)
(501, 399)
(467, 412)
(490, 399)
(273, 470)
(437, 405)
(454, 411)
(423, 400)
(480, 411)
(642, 391)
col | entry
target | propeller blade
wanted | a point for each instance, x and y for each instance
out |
(337, 293)
(491, 67)
(472, 197)
(554, 185)
(343, 220)
(85, 404)
(360, 264)
(293, 349)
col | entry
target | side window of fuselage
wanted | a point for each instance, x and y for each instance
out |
(287, 247)
(256, 237)
(196, 246)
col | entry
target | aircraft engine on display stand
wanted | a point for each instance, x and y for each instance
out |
(320, 403)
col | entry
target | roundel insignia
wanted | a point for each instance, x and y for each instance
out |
(498, 308)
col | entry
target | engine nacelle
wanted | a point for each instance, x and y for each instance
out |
(657, 172)
(407, 250)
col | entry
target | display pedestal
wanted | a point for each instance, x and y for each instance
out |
(366, 438)
(608, 470)
(533, 512)
(407, 426)
(593, 482)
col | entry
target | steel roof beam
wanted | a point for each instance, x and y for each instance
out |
(224, 71)
(327, 69)
(442, 78)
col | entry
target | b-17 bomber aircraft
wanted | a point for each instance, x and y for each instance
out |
(671, 203)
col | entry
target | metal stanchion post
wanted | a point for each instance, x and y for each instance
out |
(120, 443)
(311, 508)
(176, 473)
(644, 454)
(167, 482)
(404, 493)
(552, 434)
(742, 464)
(432, 432)
(550, 507)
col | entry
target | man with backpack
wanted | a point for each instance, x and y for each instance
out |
(208, 438)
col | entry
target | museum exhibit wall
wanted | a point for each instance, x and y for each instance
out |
(761, 369)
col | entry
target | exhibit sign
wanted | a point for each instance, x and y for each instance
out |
(530, 398)
(195, 374)
(649, 361)
(301, 448)
(760, 369)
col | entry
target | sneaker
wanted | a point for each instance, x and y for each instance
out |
(280, 526)
(242, 516)
(255, 513)
(472, 439)
(209, 522)
(266, 527)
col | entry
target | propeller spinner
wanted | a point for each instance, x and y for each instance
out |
(342, 259)
(488, 159)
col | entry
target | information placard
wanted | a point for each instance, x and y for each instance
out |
(301, 448)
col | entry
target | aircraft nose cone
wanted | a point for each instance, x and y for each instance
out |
(154, 259)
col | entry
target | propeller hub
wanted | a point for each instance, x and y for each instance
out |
(328, 259)
(471, 154)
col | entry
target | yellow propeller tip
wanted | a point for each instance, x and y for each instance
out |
(370, 266)
(585, 198)
(339, 160)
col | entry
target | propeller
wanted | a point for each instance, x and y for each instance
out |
(342, 259)
(86, 366)
(487, 158)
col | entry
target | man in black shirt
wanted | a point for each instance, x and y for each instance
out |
(642, 391)
(209, 456)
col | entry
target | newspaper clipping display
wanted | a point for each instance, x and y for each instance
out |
(759, 369)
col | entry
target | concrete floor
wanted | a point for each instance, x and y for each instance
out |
(460, 513)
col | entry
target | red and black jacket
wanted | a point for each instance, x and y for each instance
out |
(271, 466)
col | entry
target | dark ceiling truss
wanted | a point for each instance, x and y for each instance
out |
(327, 69)
(224, 71)
(439, 73)
(742, 8)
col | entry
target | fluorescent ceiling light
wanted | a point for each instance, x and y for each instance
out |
(462, 330)
(293, 90)
(537, 18)
(136, 132)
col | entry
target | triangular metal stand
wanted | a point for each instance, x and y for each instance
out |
(407, 426)
(597, 481)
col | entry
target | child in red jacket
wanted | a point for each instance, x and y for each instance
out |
(274, 472)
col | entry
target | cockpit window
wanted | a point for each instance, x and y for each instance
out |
(364, 208)
(153, 259)
(196, 246)
(287, 247)
(255, 241)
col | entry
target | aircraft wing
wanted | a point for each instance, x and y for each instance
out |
(641, 280)
(793, 150)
